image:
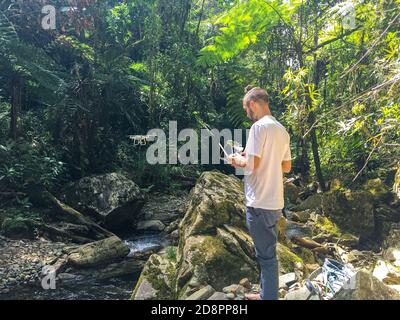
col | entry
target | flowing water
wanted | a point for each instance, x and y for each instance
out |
(80, 288)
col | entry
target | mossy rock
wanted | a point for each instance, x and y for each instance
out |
(378, 190)
(351, 211)
(287, 259)
(313, 202)
(216, 261)
(156, 281)
(327, 225)
(17, 228)
(291, 192)
(217, 199)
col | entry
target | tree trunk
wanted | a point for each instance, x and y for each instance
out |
(16, 90)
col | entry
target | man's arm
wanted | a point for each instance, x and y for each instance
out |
(287, 166)
(249, 162)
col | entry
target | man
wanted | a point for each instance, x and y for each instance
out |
(266, 157)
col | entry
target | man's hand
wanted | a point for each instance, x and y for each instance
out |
(237, 160)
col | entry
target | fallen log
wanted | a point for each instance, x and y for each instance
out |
(55, 233)
(311, 244)
(75, 216)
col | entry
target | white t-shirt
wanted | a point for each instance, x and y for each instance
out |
(269, 140)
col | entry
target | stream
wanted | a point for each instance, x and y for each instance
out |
(119, 288)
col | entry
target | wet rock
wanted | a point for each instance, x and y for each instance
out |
(151, 225)
(98, 252)
(111, 199)
(202, 294)
(364, 286)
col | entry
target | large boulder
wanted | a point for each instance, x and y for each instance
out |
(351, 210)
(364, 286)
(111, 199)
(313, 202)
(98, 252)
(214, 246)
(217, 199)
(17, 228)
(166, 208)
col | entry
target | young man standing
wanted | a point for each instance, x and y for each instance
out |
(266, 157)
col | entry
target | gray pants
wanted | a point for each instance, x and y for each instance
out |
(263, 227)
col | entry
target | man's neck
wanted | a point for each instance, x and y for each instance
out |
(266, 112)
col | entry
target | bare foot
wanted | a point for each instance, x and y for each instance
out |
(252, 296)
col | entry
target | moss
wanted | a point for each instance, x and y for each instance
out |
(287, 259)
(221, 266)
(138, 283)
(324, 224)
(160, 280)
(17, 228)
(171, 253)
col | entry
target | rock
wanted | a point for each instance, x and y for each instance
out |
(218, 296)
(98, 252)
(172, 226)
(393, 238)
(166, 208)
(216, 263)
(230, 296)
(232, 288)
(291, 192)
(216, 207)
(311, 203)
(301, 216)
(301, 294)
(67, 277)
(216, 200)
(17, 228)
(351, 210)
(392, 255)
(245, 283)
(202, 294)
(378, 190)
(287, 280)
(287, 259)
(110, 198)
(312, 267)
(151, 225)
(364, 286)
(174, 236)
(156, 280)
(214, 246)
(127, 267)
